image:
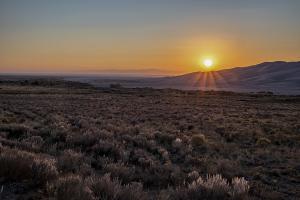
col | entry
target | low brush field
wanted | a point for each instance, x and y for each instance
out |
(65, 140)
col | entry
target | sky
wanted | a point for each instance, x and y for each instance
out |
(153, 36)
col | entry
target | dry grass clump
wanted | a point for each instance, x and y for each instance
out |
(240, 187)
(20, 165)
(213, 187)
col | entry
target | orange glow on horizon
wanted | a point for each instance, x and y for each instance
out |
(147, 37)
(77, 56)
(35, 55)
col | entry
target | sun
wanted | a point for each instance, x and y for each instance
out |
(208, 63)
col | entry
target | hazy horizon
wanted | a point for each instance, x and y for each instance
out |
(157, 37)
(150, 72)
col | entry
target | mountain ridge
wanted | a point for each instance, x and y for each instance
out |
(279, 77)
(243, 67)
(276, 76)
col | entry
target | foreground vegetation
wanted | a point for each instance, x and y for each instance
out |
(64, 140)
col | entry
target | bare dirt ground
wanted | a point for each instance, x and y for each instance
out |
(70, 141)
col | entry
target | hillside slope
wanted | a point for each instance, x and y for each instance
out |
(281, 77)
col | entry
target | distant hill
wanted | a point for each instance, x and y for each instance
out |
(281, 77)
(278, 77)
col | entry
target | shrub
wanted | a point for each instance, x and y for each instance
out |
(109, 149)
(34, 142)
(194, 175)
(198, 140)
(15, 164)
(111, 189)
(115, 85)
(70, 161)
(15, 130)
(43, 170)
(177, 143)
(70, 187)
(164, 154)
(164, 138)
(80, 123)
(133, 191)
(85, 139)
(142, 158)
(20, 165)
(165, 195)
(3, 135)
(263, 141)
(105, 187)
(119, 170)
(228, 168)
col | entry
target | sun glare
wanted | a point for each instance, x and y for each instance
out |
(208, 63)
